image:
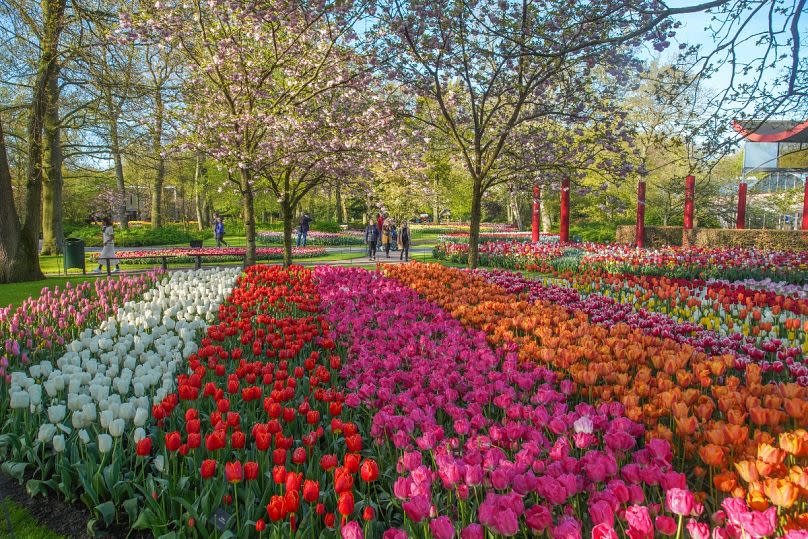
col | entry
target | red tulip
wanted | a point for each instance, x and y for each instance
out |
(262, 440)
(173, 441)
(351, 461)
(368, 513)
(279, 456)
(312, 417)
(208, 468)
(320, 509)
(233, 472)
(291, 501)
(279, 474)
(335, 408)
(276, 508)
(299, 455)
(194, 440)
(353, 443)
(329, 520)
(260, 525)
(328, 462)
(311, 490)
(237, 440)
(345, 503)
(143, 448)
(343, 480)
(250, 470)
(369, 471)
(293, 480)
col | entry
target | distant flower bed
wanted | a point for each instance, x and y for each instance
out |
(225, 254)
(463, 237)
(349, 237)
(451, 228)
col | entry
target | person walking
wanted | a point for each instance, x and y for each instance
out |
(379, 225)
(386, 239)
(218, 230)
(371, 237)
(107, 255)
(393, 237)
(404, 242)
(303, 230)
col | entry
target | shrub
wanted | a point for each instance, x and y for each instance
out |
(141, 236)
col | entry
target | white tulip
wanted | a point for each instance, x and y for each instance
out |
(20, 399)
(116, 428)
(104, 443)
(59, 443)
(46, 432)
(35, 394)
(159, 463)
(141, 416)
(84, 436)
(56, 413)
(106, 418)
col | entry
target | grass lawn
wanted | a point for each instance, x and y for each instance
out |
(23, 524)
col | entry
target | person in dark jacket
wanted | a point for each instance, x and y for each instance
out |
(371, 237)
(303, 230)
(404, 242)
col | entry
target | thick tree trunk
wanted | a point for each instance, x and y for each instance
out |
(339, 209)
(199, 201)
(476, 215)
(19, 249)
(288, 214)
(157, 148)
(249, 217)
(52, 229)
(544, 212)
(513, 206)
(115, 149)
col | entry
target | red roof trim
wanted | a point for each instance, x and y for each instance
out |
(771, 137)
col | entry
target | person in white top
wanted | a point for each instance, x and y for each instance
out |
(108, 249)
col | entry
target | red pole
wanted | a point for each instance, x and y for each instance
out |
(639, 234)
(690, 190)
(740, 221)
(564, 225)
(805, 206)
(534, 235)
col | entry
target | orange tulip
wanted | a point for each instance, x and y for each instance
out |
(712, 455)
(747, 470)
(781, 492)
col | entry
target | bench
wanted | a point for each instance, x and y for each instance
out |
(195, 244)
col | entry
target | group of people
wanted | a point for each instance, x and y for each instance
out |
(382, 234)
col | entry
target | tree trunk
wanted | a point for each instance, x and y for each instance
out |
(339, 208)
(157, 148)
(199, 201)
(287, 211)
(474, 231)
(19, 249)
(544, 212)
(249, 217)
(435, 204)
(52, 229)
(513, 206)
(115, 149)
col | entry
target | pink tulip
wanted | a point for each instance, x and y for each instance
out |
(442, 528)
(679, 501)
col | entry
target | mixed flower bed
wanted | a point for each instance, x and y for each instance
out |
(677, 262)
(424, 401)
(315, 238)
(218, 254)
(450, 228)
(463, 237)
(39, 327)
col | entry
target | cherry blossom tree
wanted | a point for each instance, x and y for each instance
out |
(281, 94)
(492, 65)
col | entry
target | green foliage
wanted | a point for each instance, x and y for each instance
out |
(22, 523)
(142, 236)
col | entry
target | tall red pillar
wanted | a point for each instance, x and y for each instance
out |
(690, 191)
(805, 206)
(639, 233)
(564, 225)
(740, 221)
(534, 225)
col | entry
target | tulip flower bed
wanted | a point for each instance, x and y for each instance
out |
(463, 237)
(39, 327)
(217, 254)
(67, 424)
(722, 422)
(687, 263)
(449, 228)
(783, 359)
(315, 238)
(775, 323)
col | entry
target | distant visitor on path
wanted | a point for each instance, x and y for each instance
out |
(379, 225)
(371, 237)
(386, 238)
(218, 230)
(108, 249)
(303, 229)
(404, 242)
(393, 237)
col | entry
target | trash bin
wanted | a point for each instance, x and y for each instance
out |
(196, 244)
(74, 254)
